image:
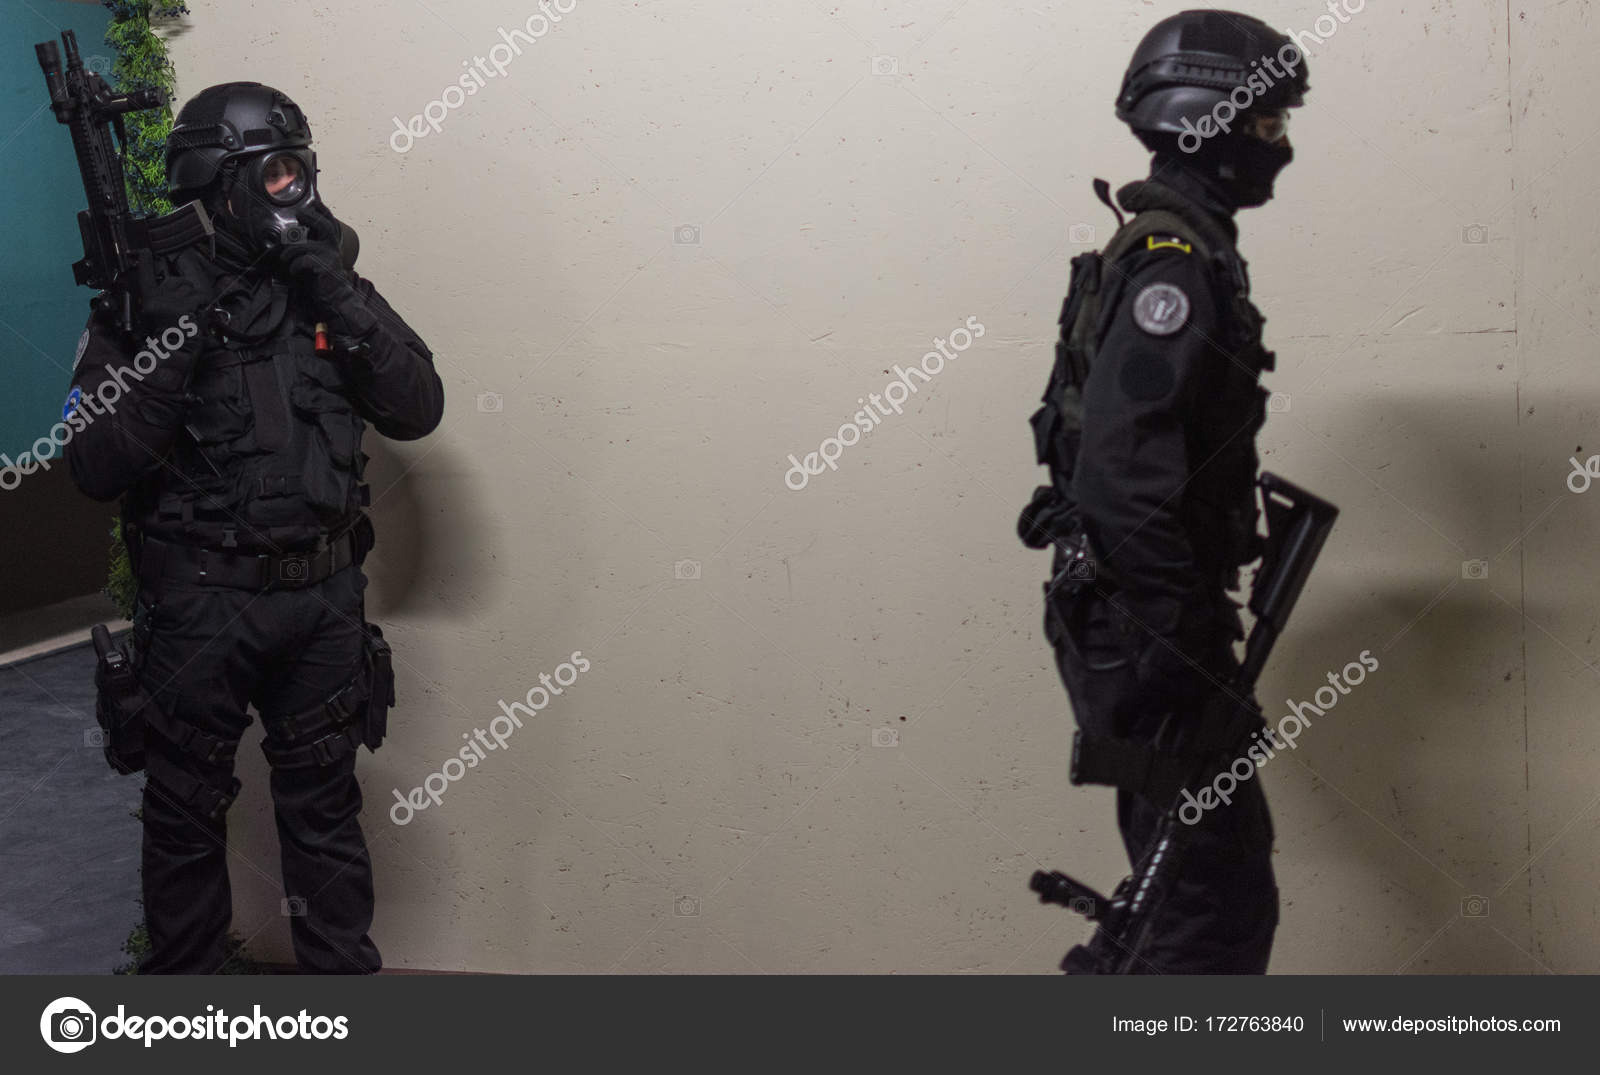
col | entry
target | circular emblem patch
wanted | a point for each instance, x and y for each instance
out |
(1161, 309)
(74, 398)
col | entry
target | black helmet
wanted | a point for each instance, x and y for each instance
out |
(1190, 64)
(221, 123)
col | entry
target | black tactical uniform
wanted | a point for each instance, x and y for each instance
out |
(1148, 427)
(240, 466)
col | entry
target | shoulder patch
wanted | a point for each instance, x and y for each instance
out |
(1167, 242)
(1161, 309)
(74, 398)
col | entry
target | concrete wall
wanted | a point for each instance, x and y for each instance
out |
(673, 244)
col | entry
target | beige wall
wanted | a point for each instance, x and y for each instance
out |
(721, 747)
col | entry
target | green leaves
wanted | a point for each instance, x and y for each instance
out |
(142, 62)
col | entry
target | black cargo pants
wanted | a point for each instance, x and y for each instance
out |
(1223, 909)
(204, 654)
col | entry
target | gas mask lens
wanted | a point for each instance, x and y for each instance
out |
(283, 179)
(1270, 127)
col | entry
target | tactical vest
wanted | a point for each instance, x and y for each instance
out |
(269, 457)
(1219, 503)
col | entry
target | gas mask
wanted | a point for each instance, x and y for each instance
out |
(272, 202)
(271, 196)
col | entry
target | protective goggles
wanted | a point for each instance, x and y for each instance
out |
(1270, 126)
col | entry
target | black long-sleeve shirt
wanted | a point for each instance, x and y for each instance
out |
(390, 381)
(1138, 407)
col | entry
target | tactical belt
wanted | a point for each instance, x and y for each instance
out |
(163, 561)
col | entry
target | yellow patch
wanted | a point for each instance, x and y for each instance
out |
(1152, 244)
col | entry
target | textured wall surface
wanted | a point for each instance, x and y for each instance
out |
(673, 243)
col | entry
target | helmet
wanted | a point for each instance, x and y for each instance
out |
(250, 147)
(226, 122)
(1192, 63)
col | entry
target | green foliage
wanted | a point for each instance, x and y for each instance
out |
(121, 586)
(137, 947)
(141, 62)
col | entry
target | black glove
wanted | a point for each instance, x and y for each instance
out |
(167, 294)
(1175, 647)
(316, 268)
(172, 301)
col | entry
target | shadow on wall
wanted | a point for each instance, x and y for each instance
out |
(427, 562)
(1424, 763)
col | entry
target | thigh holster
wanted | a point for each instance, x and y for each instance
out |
(126, 711)
(192, 790)
(356, 714)
(319, 736)
(119, 705)
(1208, 742)
(380, 662)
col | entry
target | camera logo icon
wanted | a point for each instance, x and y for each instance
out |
(686, 906)
(1081, 570)
(1081, 234)
(1474, 569)
(885, 66)
(491, 403)
(294, 907)
(1475, 234)
(94, 737)
(293, 569)
(1474, 906)
(68, 1025)
(885, 737)
(1081, 905)
(1278, 403)
(686, 235)
(686, 569)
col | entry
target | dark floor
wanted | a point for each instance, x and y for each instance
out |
(69, 844)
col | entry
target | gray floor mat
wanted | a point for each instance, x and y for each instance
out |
(69, 844)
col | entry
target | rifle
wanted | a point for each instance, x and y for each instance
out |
(117, 243)
(1298, 524)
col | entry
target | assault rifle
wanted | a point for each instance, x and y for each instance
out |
(1297, 526)
(117, 243)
